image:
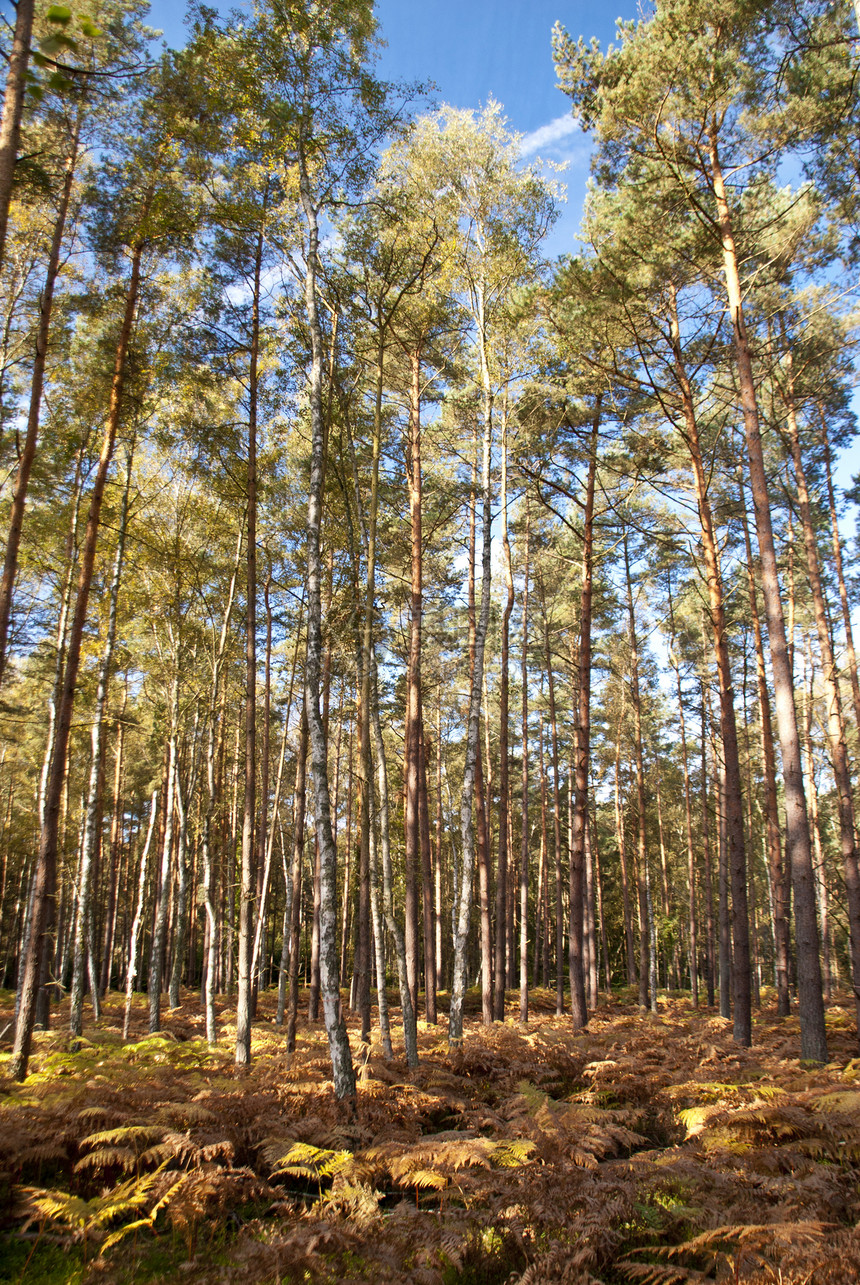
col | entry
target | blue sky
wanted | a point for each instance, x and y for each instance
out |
(475, 50)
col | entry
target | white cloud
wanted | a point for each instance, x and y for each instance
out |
(548, 135)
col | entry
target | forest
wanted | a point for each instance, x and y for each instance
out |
(429, 837)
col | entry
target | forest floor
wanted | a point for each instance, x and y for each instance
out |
(647, 1148)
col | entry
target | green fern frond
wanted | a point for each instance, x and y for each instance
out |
(512, 1152)
(301, 1160)
(124, 1158)
(128, 1134)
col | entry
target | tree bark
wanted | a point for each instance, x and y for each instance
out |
(524, 830)
(781, 908)
(48, 842)
(835, 717)
(92, 821)
(37, 378)
(342, 1068)
(579, 1008)
(813, 1036)
(13, 106)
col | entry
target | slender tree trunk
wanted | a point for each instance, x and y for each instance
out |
(835, 717)
(504, 785)
(410, 1030)
(92, 821)
(342, 1068)
(692, 929)
(524, 831)
(556, 815)
(48, 842)
(162, 891)
(37, 378)
(134, 935)
(774, 843)
(812, 794)
(247, 889)
(299, 806)
(734, 818)
(642, 861)
(579, 1008)
(813, 1037)
(13, 106)
(115, 852)
(840, 574)
(458, 989)
(710, 945)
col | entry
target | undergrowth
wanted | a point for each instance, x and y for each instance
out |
(646, 1149)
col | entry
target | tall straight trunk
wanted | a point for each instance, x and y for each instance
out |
(247, 888)
(524, 831)
(812, 1036)
(812, 794)
(734, 816)
(779, 888)
(590, 930)
(556, 814)
(410, 1029)
(299, 806)
(416, 849)
(629, 943)
(115, 852)
(93, 817)
(342, 1068)
(214, 736)
(725, 927)
(48, 842)
(437, 867)
(840, 574)
(13, 106)
(134, 934)
(692, 924)
(162, 889)
(183, 797)
(37, 377)
(481, 836)
(829, 676)
(504, 782)
(542, 910)
(426, 882)
(458, 989)
(582, 769)
(264, 836)
(642, 853)
(710, 944)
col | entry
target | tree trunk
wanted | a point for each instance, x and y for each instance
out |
(504, 785)
(247, 890)
(48, 842)
(835, 718)
(781, 908)
(688, 815)
(93, 817)
(524, 831)
(37, 378)
(813, 1036)
(342, 1068)
(642, 855)
(299, 805)
(579, 1008)
(734, 816)
(13, 105)
(458, 989)
(134, 935)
